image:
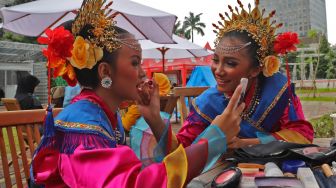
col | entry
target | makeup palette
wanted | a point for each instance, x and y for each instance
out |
(230, 177)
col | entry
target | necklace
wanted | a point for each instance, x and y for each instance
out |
(254, 102)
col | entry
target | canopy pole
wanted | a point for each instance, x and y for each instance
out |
(184, 76)
(163, 51)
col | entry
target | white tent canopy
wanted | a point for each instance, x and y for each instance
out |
(31, 19)
(182, 49)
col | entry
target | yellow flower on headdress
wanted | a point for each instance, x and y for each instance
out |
(271, 65)
(95, 54)
(84, 54)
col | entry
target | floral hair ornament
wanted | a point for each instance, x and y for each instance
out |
(258, 26)
(284, 44)
(67, 49)
(60, 43)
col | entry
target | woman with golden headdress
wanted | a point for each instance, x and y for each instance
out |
(247, 47)
(84, 146)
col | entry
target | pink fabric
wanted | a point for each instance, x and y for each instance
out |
(109, 167)
(192, 127)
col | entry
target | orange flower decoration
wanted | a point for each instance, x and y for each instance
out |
(271, 65)
(84, 54)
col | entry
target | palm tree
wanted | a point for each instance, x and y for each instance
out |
(193, 23)
(179, 29)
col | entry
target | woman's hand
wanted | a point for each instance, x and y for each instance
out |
(242, 142)
(149, 106)
(229, 120)
(149, 102)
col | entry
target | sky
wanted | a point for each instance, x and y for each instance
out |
(211, 8)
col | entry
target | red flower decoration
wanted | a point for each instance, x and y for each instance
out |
(60, 43)
(286, 42)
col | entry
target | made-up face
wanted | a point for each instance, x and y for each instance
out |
(128, 73)
(229, 67)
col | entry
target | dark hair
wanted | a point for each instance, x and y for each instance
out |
(2, 93)
(89, 77)
(27, 84)
(245, 37)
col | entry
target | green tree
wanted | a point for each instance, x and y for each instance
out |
(331, 71)
(324, 49)
(193, 23)
(313, 34)
(17, 2)
(179, 29)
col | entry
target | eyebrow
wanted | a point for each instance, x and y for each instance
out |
(226, 57)
(136, 56)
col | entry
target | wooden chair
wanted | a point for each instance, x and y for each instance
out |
(11, 104)
(168, 103)
(11, 125)
(189, 93)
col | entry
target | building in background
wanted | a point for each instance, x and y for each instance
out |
(298, 16)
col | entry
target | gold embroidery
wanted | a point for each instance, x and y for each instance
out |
(270, 107)
(253, 123)
(84, 127)
(199, 111)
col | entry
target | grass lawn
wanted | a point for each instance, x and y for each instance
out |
(323, 127)
(319, 90)
(16, 140)
(321, 98)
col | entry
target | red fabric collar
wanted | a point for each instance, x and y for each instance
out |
(90, 95)
(250, 93)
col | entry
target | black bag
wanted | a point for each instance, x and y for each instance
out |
(316, 155)
(275, 151)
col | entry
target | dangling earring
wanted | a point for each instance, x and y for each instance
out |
(106, 82)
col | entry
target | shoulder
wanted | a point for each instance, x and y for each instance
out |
(212, 91)
(277, 79)
(81, 110)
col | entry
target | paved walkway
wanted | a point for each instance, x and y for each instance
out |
(314, 109)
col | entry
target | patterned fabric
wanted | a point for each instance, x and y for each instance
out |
(144, 144)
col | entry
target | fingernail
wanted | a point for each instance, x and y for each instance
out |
(150, 82)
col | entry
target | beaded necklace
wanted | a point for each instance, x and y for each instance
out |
(254, 102)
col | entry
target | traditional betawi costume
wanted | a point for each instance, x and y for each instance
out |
(85, 145)
(273, 111)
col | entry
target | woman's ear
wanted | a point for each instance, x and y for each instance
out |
(104, 69)
(254, 72)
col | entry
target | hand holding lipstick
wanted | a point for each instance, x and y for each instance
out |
(145, 90)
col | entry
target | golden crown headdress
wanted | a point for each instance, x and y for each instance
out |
(94, 13)
(68, 49)
(260, 28)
